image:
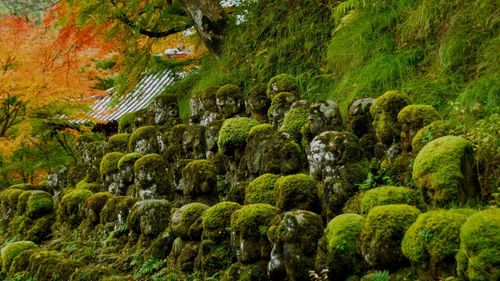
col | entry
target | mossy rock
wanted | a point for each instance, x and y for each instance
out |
(11, 250)
(44, 260)
(24, 186)
(237, 193)
(229, 90)
(282, 83)
(342, 257)
(109, 163)
(216, 221)
(22, 202)
(153, 162)
(253, 220)
(443, 171)
(417, 115)
(214, 258)
(434, 130)
(92, 186)
(280, 105)
(384, 112)
(68, 212)
(116, 209)
(386, 195)
(390, 102)
(200, 177)
(296, 192)
(9, 197)
(187, 221)
(39, 204)
(432, 242)
(126, 124)
(128, 159)
(90, 273)
(261, 190)
(146, 134)
(382, 233)
(246, 272)
(233, 134)
(21, 262)
(41, 229)
(93, 152)
(118, 142)
(149, 217)
(478, 258)
(294, 120)
(93, 205)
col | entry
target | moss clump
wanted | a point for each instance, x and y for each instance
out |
(478, 258)
(259, 129)
(382, 233)
(118, 142)
(116, 209)
(282, 83)
(109, 163)
(10, 197)
(69, 207)
(129, 158)
(142, 133)
(296, 192)
(24, 186)
(233, 134)
(92, 186)
(90, 273)
(186, 221)
(261, 190)
(41, 229)
(39, 204)
(253, 220)
(21, 262)
(200, 177)
(294, 120)
(433, 240)
(93, 205)
(11, 250)
(151, 161)
(390, 102)
(216, 220)
(431, 132)
(127, 122)
(443, 171)
(341, 236)
(149, 217)
(417, 115)
(229, 90)
(280, 105)
(386, 195)
(22, 202)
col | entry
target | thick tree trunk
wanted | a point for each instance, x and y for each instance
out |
(209, 20)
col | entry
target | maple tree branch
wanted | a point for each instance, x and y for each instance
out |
(153, 34)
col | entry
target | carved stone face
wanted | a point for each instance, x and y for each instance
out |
(165, 111)
(294, 238)
(324, 116)
(229, 106)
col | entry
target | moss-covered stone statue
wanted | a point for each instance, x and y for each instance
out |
(110, 172)
(147, 220)
(144, 140)
(209, 110)
(257, 103)
(294, 236)
(360, 124)
(282, 83)
(125, 174)
(324, 116)
(337, 155)
(229, 99)
(413, 118)
(193, 141)
(149, 178)
(280, 105)
(200, 181)
(166, 111)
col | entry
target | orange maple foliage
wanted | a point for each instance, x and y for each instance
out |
(40, 67)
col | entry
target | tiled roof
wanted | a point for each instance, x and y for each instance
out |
(144, 93)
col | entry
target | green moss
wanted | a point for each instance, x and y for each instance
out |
(382, 233)
(69, 207)
(341, 236)
(233, 133)
(253, 219)
(117, 208)
(294, 120)
(216, 220)
(261, 190)
(94, 204)
(431, 132)
(109, 163)
(390, 102)
(92, 186)
(438, 170)
(22, 202)
(478, 258)
(90, 273)
(282, 83)
(149, 161)
(10, 196)
(149, 217)
(144, 132)
(386, 195)
(118, 142)
(200, 177)
(187, 219)
(128, 158)
(24, 186)
(280, 104)
(418, 115)
(126, 122)
(41, 229)
(296, 192)
(21, 262)
(39, 204)
(433, 240)
(258, 129)
(11, 250)
(229, 90)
